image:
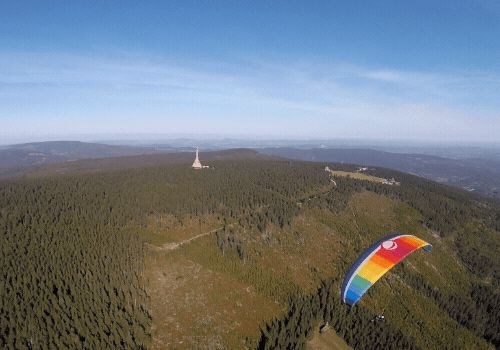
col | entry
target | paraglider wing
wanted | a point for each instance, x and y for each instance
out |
(376, 261)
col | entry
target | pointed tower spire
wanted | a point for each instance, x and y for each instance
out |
(196, 163)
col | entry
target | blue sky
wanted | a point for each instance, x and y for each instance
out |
(415, 70)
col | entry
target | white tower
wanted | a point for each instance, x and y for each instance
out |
(197, 164)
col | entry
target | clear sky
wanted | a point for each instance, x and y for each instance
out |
(419, 70)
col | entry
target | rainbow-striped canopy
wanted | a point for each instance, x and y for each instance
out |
(376, 261)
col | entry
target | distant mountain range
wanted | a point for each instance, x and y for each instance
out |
(473, 174)
(479, 174)
(17, 157)
(61, 151)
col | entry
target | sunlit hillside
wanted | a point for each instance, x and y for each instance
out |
(246, 254)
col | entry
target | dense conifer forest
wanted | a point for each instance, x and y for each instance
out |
(75, 253)
(71, 270)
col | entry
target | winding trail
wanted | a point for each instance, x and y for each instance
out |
(175, 245)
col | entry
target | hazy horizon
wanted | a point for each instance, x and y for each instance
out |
(422, 72)
(151, 138)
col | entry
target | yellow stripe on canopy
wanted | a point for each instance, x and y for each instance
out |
(371, 271)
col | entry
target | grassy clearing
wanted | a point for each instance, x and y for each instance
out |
(203, 298)
(199, 296)
(196, 307)
(357, 175)
(327, 341)
(166, 228)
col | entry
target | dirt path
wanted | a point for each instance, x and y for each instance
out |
(176, 245)
(327, 341)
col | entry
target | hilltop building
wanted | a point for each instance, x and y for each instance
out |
(197, 164)
(391, 182)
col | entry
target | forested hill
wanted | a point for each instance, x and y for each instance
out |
(132, 161)
(478, 175)
(149, 253)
